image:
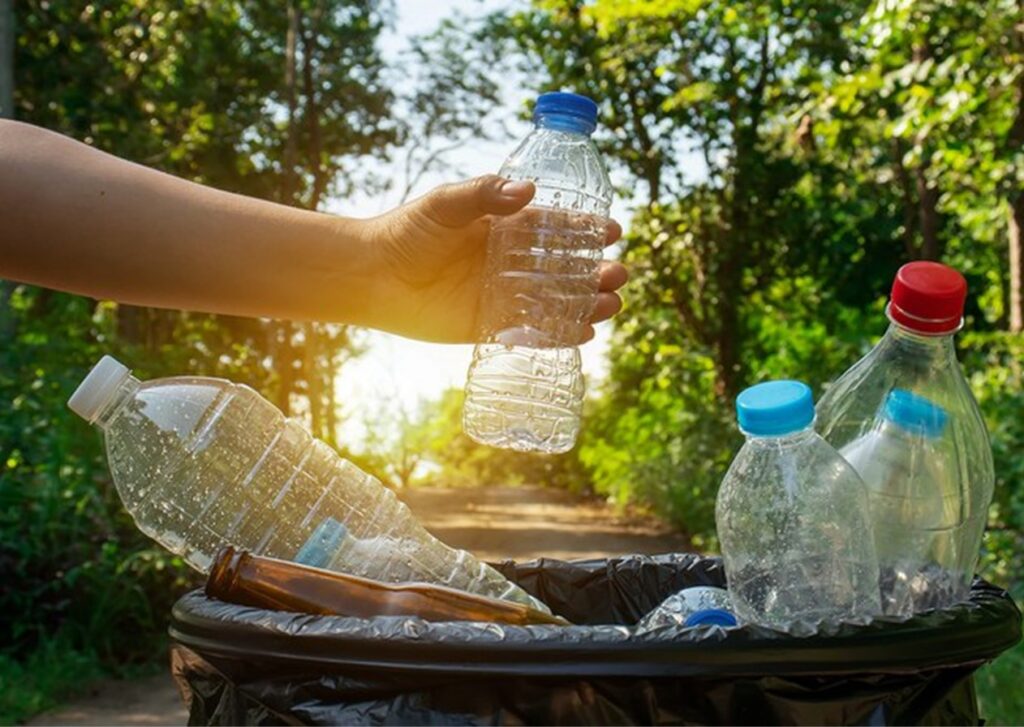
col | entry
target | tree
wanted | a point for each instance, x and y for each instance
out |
(6, 59)
(455, 100)
(931, 104)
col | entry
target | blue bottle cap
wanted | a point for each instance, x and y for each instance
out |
(775, 408)
(322, 544)
(711, 617)
(565, 112)
(915, 413)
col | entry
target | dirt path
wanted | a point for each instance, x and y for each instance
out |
(493, 523)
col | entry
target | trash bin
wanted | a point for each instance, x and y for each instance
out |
(241, 665)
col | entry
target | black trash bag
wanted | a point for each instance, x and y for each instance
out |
(242, 665)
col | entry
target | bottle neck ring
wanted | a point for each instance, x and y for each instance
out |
(564, 122)
(125, 391)
(784, 439)
(924, 327)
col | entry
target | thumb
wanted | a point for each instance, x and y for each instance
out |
(457, 205)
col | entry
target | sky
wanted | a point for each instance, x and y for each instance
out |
(397, 373)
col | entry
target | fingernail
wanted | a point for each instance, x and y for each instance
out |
(515, 188)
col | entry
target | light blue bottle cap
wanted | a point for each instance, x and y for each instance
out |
(775, 408)
(565, 112)
(711, 617)
(322, 544)
(915, 413)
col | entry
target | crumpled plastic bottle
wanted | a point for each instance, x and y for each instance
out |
(693, 606)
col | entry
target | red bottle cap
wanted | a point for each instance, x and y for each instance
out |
(928, 298)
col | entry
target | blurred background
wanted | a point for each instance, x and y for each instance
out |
(777, 160)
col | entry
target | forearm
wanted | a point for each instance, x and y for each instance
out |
(79, 220)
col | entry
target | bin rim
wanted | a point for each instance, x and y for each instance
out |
(969, 633)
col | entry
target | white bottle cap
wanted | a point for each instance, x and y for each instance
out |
(97, 388)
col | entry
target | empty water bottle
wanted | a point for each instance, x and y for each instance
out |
(202, 463)
(792, 519)
(525, 385)
(914, 501)
(905, 418)
(694, 606)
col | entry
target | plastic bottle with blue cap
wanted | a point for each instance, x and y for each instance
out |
(904, 416)
(525, 385)
(915, 501)
(691, 608)
(792, 519)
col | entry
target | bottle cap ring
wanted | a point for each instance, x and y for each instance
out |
(922, 326)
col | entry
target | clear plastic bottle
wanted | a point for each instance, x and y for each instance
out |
(792, 517)
(525, 386)
(694, 606)
(916, 355)
(202, 463)
(914, 499)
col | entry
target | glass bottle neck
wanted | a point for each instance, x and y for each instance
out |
(125, 392)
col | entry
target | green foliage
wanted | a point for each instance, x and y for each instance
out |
(998, 381)
(74, 562)
(53, 671)
(1000, 698)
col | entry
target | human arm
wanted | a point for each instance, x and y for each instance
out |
(79, 220)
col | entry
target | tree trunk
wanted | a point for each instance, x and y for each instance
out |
(1015, 139)
(6, 112)
(315, 150)
(1016, 242)
(312, 368)
(6, 59)
(289, 186)
(331, 398)
(907, 199)
(282, 331)
(928, 215)
(284, 358)
(927, 195)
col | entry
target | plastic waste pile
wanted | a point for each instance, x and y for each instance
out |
(878, 506)
(872, 504)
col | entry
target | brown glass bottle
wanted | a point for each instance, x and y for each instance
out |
(252, 580)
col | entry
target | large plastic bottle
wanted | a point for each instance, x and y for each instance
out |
(202, 463)
(940, 476)
(525, 385)
(792, 519)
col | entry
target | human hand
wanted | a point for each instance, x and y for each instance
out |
(429, 260)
